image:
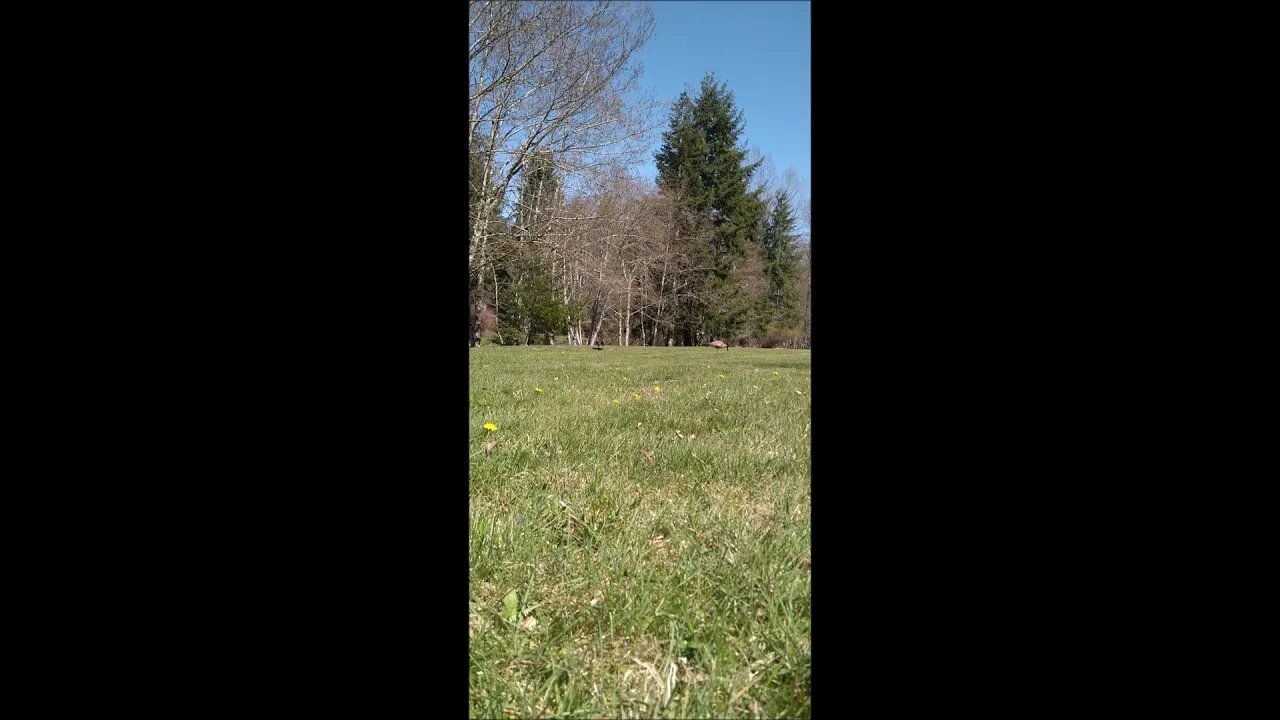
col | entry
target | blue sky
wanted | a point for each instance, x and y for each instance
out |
(760, 49)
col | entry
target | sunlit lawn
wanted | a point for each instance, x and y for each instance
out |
(646, 516)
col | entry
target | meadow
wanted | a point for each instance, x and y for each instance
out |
(639, 532)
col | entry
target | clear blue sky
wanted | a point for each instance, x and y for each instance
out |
(760, 49)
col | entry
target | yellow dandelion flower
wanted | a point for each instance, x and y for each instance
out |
(775, 372)
(490, 427)
(615, 402)
(657, 389)
(537, 389)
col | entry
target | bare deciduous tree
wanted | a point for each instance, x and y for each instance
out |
(548, 77)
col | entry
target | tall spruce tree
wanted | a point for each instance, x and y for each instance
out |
(703, 164)
(539, 198)
(533, 311)
(781, 265)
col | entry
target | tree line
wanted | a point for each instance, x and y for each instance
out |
(566, 245)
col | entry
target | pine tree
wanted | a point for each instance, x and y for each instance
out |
(702, 164)
(781, 264)
(539, 198)
(532, 311)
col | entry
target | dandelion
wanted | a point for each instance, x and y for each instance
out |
(537, 389)
(490, 427)
(708, 367)
(721, 377)
(624, 377)
(775, 372)
(657, 389)
(615, 402)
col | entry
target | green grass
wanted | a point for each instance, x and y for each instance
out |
(665, 588)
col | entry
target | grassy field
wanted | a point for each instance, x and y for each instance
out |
(639, 532)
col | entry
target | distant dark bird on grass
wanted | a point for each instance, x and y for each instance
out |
(597, 347)
(719, 345)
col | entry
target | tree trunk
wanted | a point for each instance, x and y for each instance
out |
(657, 314)
(595, 333)
(496, 312)
(627, 337)
(478, 309)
